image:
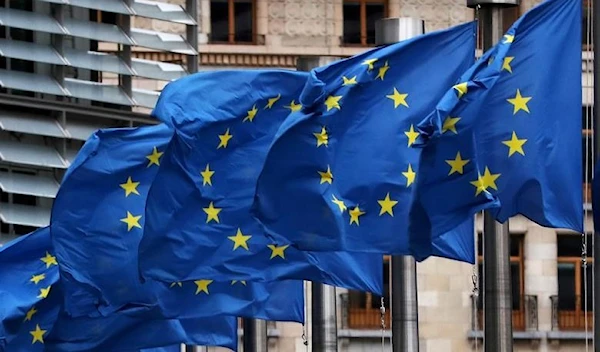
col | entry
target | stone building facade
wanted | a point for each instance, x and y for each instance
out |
(549, 280)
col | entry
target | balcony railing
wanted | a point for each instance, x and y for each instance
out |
(523, 319)
(355, 316)
(571, 316)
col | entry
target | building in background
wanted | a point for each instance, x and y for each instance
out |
(68, 67)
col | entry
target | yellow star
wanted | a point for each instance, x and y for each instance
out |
(277, 251)
(130, 187)
(412, 135)
(30, 314)
(333, 102)
(322, 137)
(339, 203)
(154, 157)
(457, 164)
(488, 180)
(461, 89)
(354, 214)
(399, 99)
(386, 205)
(508, 38)
(369, 63)
(38, 334)
(212, 213)
(233, 282)
(326, 176)
(202, 286)
(44, 292)
(272, 101)
(240, 240)
(519, 102)
(450, 124)
(349, 81)
(49, 260)
(206, 175)
(132, 221)
(177, 283)
(37, 278)
(224, 139)
(410, 175)
(506, 63)
(382, 71)
(515, 145)
(251, 114)
(294, 107)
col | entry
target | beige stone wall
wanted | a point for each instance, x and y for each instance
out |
(315, 27)
(444, 289)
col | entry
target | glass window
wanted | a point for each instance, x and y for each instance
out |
(352, 22)
(359, 20)
(572, 282)
(363, 308)
(232, 21)
(516, 271)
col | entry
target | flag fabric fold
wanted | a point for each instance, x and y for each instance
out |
(97, 223)
(32, 318)
(341, 172)
(517, 144)
(198, 221)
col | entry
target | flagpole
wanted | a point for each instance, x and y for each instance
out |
(255, 335)
(191, 7)
(596, 242)
(323, 297)
(497, 291)
(405, 317)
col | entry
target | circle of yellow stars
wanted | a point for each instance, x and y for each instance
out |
(399, 99)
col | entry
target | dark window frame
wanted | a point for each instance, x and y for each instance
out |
(363, 20)
(367, 314)
(231, 25)
(573, 319)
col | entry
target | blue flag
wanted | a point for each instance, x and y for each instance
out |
(97, 222)
(32, 319)
(516, 143)
(341, 173)
(202, 227)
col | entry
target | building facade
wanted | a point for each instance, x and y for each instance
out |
(47, 112)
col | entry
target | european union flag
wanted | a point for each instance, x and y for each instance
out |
(198, 221)
(97, 222)
(516, 143)
(32, 319)
(341, 173)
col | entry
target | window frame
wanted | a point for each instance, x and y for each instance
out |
(231, 25)
(363, 20)
(579, 313)
(366, 314)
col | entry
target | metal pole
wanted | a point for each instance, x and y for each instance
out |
(323, 309)
(596, 242)
(497, 291)
(405, 316)
(191, 6)
(255, 335)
